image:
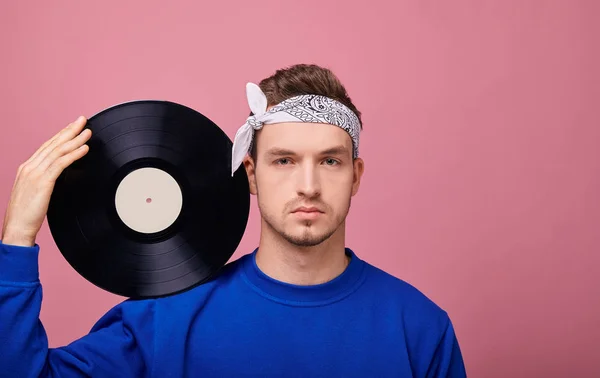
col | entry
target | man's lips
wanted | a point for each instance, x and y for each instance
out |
(305, 209)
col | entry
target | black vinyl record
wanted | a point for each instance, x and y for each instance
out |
(151, 209)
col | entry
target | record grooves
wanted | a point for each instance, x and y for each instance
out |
(152, 209)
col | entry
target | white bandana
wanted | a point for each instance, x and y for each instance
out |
(304, 108)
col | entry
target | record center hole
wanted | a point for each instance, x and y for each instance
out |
(148, 200)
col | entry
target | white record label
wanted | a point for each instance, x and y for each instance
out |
(148, 200)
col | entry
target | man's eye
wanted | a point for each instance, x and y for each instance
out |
(282, 161)
(331, 161)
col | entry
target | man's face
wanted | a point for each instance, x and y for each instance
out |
(304, 177)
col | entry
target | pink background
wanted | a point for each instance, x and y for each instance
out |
(480, 141)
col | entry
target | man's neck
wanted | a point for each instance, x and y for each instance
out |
(283, 261)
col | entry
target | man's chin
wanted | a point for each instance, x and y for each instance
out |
(304, 242)
(306, 238)
(302, 234)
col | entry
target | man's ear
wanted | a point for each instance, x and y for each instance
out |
(249, 165)
(359, 168)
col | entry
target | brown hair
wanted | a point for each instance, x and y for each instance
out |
(303, 79)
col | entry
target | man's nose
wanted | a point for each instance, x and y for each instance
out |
(309, 183)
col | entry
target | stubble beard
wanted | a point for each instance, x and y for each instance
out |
(307, 238)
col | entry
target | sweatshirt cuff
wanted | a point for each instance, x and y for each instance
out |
(19, 263)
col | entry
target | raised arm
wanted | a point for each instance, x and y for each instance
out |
(120, 343)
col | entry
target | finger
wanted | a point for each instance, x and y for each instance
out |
(64, 135)
(65, 148)
(35, 159)
(59, 165)
(27, 163)
(47, 143)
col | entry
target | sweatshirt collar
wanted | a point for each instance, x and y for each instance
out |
(304, 295)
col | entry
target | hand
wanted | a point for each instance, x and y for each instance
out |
(32, 189)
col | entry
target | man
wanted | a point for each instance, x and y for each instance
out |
(300, 305)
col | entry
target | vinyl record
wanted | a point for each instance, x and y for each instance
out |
(151, 209)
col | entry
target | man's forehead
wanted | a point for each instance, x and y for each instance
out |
(295, 135)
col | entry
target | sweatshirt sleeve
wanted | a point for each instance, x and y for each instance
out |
(447, 360)
(119, 344)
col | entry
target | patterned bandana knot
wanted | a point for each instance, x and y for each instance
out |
(303, 108)
(252, 121)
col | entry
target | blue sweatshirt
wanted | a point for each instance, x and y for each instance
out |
(364, 323)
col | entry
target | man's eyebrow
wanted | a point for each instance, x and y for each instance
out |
(336, 150)
(276, 151)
